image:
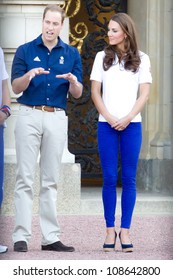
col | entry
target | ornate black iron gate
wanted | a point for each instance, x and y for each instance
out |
(88, 32)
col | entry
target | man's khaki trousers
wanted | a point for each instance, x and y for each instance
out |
(38, 133)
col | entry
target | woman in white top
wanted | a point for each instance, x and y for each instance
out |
(120, 86)
(4, 114)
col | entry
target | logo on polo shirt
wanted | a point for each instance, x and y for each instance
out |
(61, 60)
(37, 58)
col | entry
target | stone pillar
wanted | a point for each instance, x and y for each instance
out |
(161, 47)
(154, 19)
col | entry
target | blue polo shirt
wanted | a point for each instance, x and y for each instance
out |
(46, 89)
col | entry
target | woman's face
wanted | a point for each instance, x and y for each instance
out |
(116, 35)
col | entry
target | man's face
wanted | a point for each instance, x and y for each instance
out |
(51, 26)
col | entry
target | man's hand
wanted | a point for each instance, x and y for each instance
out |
(70, 77)
(36, 71)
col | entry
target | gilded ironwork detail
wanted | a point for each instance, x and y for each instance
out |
(72, 9)
(82, 30)
(79, 31)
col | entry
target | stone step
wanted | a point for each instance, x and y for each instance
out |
(147, 203)
(69, 189)
(72, 199)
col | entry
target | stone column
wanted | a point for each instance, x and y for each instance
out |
(154, 20)
(160, 32)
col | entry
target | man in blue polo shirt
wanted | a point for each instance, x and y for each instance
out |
(44, 71)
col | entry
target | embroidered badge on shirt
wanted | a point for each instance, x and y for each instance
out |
(37, 58)
(61, 60)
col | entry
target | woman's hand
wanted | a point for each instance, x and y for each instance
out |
(3, 117)
(122, 123)
(112, 120)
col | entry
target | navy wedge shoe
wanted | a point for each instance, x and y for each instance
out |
(126, 248)
(110, 247)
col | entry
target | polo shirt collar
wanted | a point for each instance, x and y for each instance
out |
(60, 43)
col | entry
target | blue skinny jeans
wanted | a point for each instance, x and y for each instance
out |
(1, 163)
(111, 144)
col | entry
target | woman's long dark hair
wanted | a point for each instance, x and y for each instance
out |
(131, 58)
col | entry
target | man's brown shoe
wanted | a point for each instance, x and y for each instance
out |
(20, 246)
(57, 246)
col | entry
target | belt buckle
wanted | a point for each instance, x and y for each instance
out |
(42, 108)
